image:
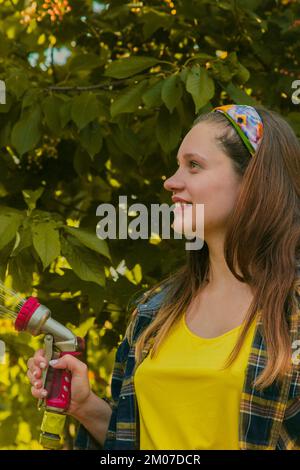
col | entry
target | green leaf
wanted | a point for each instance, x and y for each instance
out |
(46, 241)
(152, 97)
(21, 268)
(65, 113)
(4, 108)
(239, 96)
(10, 220)
(84, 109)
(51, 109)
(18, 83)
(31, 196)
(84, 327)
(4, 257)
(128, 142)
(200, 86)
(242, 75)
(168, 130)
(24, 238)
(84, 62)
(91, 138)
(86, 264)
(171, 92)
(26, 133)
(128, 101)
(124, 68)
(81, 161)
(153, 20)
(90, 240)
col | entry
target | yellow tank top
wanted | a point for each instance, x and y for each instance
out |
(185, 401)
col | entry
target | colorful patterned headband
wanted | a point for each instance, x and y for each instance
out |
(246, 121)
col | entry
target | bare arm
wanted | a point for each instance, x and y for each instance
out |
(94, 415)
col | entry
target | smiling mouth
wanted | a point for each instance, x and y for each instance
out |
(182, 205)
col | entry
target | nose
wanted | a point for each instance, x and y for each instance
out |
(173, 183)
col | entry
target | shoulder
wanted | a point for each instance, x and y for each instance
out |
(145, 309)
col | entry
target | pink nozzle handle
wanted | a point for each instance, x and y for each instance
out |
(26, 312)
(58, 385)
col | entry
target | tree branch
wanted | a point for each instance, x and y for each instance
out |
(100, 86)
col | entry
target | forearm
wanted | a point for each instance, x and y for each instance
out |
(95, 415)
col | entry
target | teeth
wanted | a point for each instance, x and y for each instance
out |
(180, 204)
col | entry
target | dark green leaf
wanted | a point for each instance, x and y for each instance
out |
(200, 86)
(84, 109)
(239, 96)
(85, 263)
(171, 92)
(90, 240)
(51, 108)
(168, 130)
(91, 138)
(152, 97)
(128, 101)
(27, 132)
(124, 68)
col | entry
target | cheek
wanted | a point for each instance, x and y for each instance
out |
(217, 194)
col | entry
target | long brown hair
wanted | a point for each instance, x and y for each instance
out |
(262, 240)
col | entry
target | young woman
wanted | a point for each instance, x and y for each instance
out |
(224, 330)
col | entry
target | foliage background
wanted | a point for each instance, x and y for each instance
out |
(99, 95)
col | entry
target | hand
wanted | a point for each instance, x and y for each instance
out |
(80, 386)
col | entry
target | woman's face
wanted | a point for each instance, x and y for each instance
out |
(205, 175)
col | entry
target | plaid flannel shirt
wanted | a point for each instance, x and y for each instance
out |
(269, 419)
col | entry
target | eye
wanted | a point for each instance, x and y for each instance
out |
(192, 162)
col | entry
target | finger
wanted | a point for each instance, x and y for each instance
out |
(39, 359)
(35, 371)
(38, 393)
(30, 363)
(69, 362)
(33, 380)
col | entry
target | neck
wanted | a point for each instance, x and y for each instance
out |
(220, 277)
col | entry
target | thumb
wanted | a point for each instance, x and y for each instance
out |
(68, 362)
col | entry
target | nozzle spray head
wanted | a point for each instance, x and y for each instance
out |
(36, 319)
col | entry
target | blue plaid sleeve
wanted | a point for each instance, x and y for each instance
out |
(84, 440)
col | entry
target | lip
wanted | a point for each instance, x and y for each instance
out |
(179, 199)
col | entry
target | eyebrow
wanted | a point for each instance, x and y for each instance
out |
(189, 155)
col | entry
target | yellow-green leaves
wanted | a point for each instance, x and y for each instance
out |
(90, 240)
(31, 196)
(83, 261)
(46, 242)
(10, 220)
(200, 86)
